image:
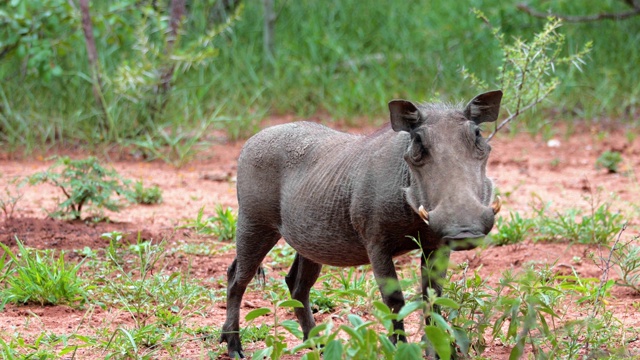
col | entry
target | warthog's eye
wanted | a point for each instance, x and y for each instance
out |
(417, 152)
(481, 144)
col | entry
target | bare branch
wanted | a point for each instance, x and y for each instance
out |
(92, 54)
(513, 116)
(268, 29)
(585, 18)
(178, 10)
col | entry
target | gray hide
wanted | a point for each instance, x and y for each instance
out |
(345, 200)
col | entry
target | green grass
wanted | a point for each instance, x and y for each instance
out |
(340, 58)
(598, 226)
(511, 231)
(37, 277)
(221, 225)
(529, 306)
(528, 309)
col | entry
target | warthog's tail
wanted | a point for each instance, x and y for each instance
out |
(260, 276)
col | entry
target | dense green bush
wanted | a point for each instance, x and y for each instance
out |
(340, 57)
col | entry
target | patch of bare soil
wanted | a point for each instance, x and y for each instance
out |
(525, 170)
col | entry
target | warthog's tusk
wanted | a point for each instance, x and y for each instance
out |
(423, 214)
(497, 204)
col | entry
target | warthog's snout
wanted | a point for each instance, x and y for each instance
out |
(468, 231)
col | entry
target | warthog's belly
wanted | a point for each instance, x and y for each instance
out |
(326, 243)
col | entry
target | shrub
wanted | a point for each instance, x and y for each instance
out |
(609, 160)
(83, 182)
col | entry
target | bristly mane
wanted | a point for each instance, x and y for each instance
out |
(441, 106)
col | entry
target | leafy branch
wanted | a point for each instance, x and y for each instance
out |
(528, 67)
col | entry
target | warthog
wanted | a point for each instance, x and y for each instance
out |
(346, 200)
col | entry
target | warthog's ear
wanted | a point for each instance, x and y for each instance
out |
(484, 107)
(405, 115)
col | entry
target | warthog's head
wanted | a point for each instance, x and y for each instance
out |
(447, 158)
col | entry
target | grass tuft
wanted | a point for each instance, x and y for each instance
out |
(37, 277)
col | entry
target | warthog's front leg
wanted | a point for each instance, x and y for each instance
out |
(434, 269)
(387, 278)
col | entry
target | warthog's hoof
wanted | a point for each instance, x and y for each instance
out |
(233, 344)
(236, 354)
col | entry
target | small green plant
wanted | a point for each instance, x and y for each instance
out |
(281, 256)
(626, 260)
(222, 224)
(114, 250)
(225, 222)
(364, 340)
(631, 135)
(83, 182)
(590, 290)
(512, 231)
(146, 195)
(320, 302)
(527, 305)
(142, 342)
(253, 333)
(5, 267)
(476, 309)
(609, 160)
(349, 286)
(276, 345)
(176, 147)
(45, 345)
(9, 202)
(36, 277)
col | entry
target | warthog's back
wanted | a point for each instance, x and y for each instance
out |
(300, 179)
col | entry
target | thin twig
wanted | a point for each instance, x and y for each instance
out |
(513, 116)
(607, 267)
(585, 18)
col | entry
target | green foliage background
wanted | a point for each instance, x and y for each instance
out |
(346, 58)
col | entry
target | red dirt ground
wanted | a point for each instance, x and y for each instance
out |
(523, 168)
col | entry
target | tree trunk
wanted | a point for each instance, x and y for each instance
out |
(177, 12)
(92, 54)
(268, 31)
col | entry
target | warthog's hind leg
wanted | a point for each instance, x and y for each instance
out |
(301, 277)
(253, 244)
